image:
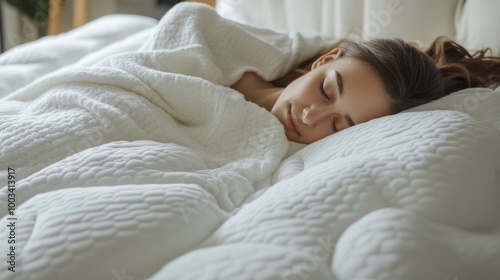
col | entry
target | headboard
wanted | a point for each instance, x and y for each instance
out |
(470, 22)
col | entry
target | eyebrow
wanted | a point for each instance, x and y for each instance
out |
(340, 83)
(340, 88)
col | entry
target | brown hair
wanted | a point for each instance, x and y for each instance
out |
(411, 76)
(460, 69)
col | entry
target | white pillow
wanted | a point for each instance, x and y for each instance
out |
(477, 25)
(480, 103)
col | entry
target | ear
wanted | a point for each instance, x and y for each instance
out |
(327, 57)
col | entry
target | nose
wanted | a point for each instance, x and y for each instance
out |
(313, 115)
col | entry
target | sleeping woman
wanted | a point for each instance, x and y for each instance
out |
(359, 81)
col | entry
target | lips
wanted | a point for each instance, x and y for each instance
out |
(291, 122)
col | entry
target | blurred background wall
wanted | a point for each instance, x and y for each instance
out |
(18, 28)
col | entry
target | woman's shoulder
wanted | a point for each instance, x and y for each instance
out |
(250, 81)
(191, 9)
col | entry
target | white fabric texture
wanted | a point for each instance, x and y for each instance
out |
(474, 23)
(152, 169)
(25, 63)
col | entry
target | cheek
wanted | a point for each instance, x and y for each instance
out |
(319, 132)
(297, 91)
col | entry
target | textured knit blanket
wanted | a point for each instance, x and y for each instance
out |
(147, 166)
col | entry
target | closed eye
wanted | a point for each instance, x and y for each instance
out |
(327, 98)
(323, 92)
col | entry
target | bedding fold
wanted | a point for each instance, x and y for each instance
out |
(25, 63)
(161, 116)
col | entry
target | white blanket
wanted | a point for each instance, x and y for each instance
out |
(170, 91)
(147, 166)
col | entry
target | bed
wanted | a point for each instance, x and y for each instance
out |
(123, 157)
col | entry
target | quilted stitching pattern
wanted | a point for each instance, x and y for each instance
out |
(410, 196)
(370, 210)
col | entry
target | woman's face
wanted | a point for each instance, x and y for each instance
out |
(336, 94)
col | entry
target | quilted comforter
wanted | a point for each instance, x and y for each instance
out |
(146, 166)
